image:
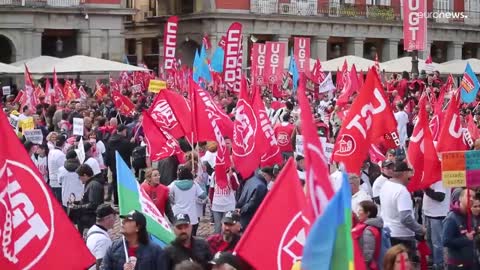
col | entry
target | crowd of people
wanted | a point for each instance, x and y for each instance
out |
(390, 223)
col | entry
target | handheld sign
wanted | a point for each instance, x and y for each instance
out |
(327, 147)
(461, 169)
(26, 124)
(6, 90)
(34, 135)
(78, 126)
(156, 86)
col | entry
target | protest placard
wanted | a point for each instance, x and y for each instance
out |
(34, 135)
(78, 126)
(6, 90)
(461, 169)
(156, 86)
(327, 147)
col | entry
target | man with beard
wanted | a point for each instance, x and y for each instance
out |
(185, 247)
(228, 239)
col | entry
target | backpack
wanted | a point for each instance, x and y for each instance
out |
(139, 155)
(382, 244)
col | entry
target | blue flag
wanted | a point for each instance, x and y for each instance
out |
(217, 60)
(196, 67)
(469, 85)
(204, 70)
(292, 69)
(329, 244)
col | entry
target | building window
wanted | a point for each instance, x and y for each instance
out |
(154, 46)
(129, 4)
(131, 46)
(442, 5)
(187, 6)
(379, 2)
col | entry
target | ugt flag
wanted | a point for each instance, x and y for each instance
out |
(469, 85)
(35, 232)
(132, 197)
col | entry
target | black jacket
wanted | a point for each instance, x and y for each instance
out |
(199, 252)
(92, 197)
(253, 193)
(460, 248)
(124, 147)
(149, 257)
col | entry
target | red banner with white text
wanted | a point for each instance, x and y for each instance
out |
(170, 42)
(275, 58)
(232, 50)
(414, 25)
(258, 63)
(301, 51)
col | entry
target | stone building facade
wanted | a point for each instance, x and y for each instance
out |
(30, 28)
(336, 27)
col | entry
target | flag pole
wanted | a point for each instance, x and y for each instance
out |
(125, 249)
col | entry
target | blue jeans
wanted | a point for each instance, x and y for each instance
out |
(217, 219)
(434, 239)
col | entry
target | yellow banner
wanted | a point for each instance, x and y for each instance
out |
(454, 178)
(26, 124)
(156, 86)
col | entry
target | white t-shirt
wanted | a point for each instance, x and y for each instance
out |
(93, 163)
(402, 121)
(41, 163)
(366, 186)
(359, 197)
(395, 198)
(336, 179)
(100, 146)
(98, 242)
(56, 159)
(376, 188)
(223, 199)
(434, 208)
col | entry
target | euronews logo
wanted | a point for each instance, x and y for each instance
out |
(443, 15)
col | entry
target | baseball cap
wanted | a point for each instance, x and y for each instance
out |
(226, 258)
(136, 216)
(401, 166)
(387, 163)
(181, 219)
(104, 210)
(231, 217)
(391, 151)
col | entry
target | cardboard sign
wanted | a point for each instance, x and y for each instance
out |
(461, 169)
(6, 90)
(327, 147)
(156, 86)
(78, 126)
(13, 122)
(34, 135)
(26, 124)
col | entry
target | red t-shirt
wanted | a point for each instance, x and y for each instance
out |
(283, 133)
(131, 251)
(158, 194)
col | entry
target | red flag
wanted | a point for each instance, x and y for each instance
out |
(82, 92)
(123, 104)
(317, 75)
(30, 100)
(350, 86)
(360, 79)
(206, 42)
(367, 121)
(49, 93)
(267, 138)
(20, 98)
(162, 113)
(232, 50)
(278, 235)
(472, 128)
(100, 91)
(319, 188)
(208, 123)
(59, 94)
(451, 133)
(422, 154)
(181, 110)
(170, 42)
(375, 154)
(246, 152)
(160, 144)
(35, 229)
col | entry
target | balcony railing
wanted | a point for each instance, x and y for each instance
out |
(371, 12)
(42, 3)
